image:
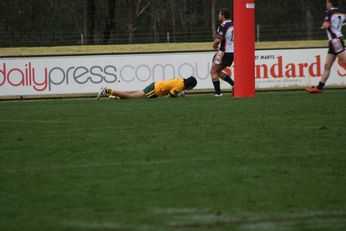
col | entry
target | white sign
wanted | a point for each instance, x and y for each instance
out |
(293, 68)
(250, 5)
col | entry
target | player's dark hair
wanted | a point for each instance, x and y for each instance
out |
(335, 3)
(190, 82)
(225, 12)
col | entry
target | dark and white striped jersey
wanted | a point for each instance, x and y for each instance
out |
(335, 17)
(225, 32)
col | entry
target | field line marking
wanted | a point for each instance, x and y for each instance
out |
(272, 220)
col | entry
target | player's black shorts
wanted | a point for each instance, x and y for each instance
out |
(336, 46)
(225, 59)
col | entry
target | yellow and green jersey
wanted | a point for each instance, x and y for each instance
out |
(171, 87)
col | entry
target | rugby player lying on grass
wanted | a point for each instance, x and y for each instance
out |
(171, 88)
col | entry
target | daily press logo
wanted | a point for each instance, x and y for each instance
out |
(50, 78)
(46, 78)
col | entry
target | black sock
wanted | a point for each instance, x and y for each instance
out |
(217, 88)
(229, 80)
(320, 86)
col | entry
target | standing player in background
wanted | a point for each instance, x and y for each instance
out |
(333, 21)
(224, 45)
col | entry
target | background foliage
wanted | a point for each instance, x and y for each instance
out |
(49, 22)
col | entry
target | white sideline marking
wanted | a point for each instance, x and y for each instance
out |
(59, 167)
(195, 219)
(256, 221)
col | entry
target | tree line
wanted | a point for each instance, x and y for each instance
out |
(135, 21)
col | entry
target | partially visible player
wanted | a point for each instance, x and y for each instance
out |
(171, 88)
(333, 21)
(224, 45)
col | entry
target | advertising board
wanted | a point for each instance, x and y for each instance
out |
(274, 69)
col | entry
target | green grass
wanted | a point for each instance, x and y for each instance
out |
(151, 47)
(275, 162)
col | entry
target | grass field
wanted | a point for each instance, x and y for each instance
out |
(276, 162)
(153, 47)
